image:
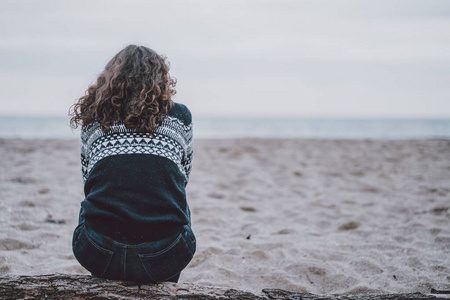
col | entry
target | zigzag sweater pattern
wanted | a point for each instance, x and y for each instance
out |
(134, 183)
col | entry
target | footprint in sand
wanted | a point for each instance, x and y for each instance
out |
(216, 196)
(366, 267)
(298, 174)
(370, 189)
(440, 210)
(4, 268)
(43, 191)
(349, 226)
(357, 173)
(435, 231)
(204, 255)
(257, 255)
(286, 231)
(27, 227)
(248, 208)
(23, 180)
(12, 244)
(317, 271)
(27, 203)
(223, 149)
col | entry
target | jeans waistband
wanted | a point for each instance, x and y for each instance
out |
(150, 246)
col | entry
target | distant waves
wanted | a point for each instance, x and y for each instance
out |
(240, 127)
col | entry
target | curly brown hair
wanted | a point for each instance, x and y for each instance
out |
(134, 88)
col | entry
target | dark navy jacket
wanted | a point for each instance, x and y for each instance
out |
(135, 183)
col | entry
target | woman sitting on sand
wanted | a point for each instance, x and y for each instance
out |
(136, 154)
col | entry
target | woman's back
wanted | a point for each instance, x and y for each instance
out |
(135, 183)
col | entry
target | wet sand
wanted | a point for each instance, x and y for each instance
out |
(319, 216)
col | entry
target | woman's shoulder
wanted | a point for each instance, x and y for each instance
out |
(181, 112)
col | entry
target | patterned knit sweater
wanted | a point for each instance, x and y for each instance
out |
(134, 183)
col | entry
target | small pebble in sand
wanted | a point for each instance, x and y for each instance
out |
(349, 226)
(43, 191)
(247, 208)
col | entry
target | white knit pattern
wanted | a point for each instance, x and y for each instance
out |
(173, 140)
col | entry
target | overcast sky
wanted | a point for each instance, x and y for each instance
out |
(260, 58)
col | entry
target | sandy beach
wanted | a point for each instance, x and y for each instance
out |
(319, 216)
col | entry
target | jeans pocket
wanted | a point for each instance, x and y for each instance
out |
(167, 263)
(76, 234)
(189, 238)
(90, 255)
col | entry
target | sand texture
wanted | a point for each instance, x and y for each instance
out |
(319, 216)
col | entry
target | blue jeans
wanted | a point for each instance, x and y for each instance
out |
(150, 262)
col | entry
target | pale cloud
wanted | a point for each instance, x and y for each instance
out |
(336, 57)
(29, 94)
(331, 30)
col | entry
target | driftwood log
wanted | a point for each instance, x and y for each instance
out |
(65, 286)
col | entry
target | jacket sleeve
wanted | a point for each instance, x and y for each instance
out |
(188, 154)
(84, 157)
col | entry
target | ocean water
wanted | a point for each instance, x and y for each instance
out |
(241, 127)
